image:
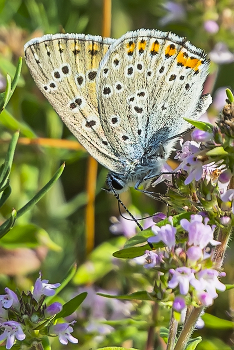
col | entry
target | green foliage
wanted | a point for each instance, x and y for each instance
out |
(201, 125)
(71, 306)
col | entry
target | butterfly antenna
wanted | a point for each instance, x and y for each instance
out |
(129, 213)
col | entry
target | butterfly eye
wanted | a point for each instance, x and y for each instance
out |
(116, 185)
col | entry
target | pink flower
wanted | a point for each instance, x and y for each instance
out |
(165, 234)
(123, 226)
(9, 299)
(201, 136)
(12, 330)
(42, 287)
(53, 309)
(182, 277)
(205, 299)
(211, 26)
(179, 304)
(152, 259)
(63, 330)
(208, 279)
(199, 234)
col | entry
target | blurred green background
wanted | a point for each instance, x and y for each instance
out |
(59, 218)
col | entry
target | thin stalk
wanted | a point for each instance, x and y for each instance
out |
(188, 329)
(151, 330)
(172, 332)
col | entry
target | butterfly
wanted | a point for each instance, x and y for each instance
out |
(125, 99)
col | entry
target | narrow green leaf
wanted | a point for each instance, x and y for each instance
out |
(42, 192)
(200, 125)
(66, 280)
(7, 93)
(5, 195)
(130, 253)
(6, 226)
(11, 85)
(4, 177)
(164, 333)
(230, 95)
(139, 238)
(11, 123)
(71, 306)
(7, 67)
(8, 159)
(21, 236)
(141, 295)
(192, 343)
(16, 78)
(46, 343)
(229, 286)
(217, 151)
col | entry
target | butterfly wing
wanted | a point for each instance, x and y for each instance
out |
(64, 66)
(147, 82)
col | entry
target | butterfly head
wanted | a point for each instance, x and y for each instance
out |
(117, 183)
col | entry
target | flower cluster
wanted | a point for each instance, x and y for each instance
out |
(22, 317)
(184, 264)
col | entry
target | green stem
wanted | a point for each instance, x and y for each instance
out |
(172, 332)
(188, 329)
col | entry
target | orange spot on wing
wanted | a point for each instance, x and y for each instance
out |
(182, 58)
(130, 46)
(170, 50)
(155, 47)
(193, 63)
(189, 62)
(142, 45)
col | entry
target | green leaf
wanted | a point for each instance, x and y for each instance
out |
(229, 286)
(42, 192)
(230, 95)
(45, 343)
(200, 125)
(216, 322)
(164, 333)
(176, 219)
(7, 225)
(6, 168)
(5, 195)
(192, 343)
(71, 306)
(11, 85)
(21, 236)
(139, 238)
(141, 295)
(10, 122)
(217, 151)
(6, 95)
(131, 253)
(66, 280)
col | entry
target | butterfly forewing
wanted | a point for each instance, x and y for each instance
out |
(65, 66)
(157, 79)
